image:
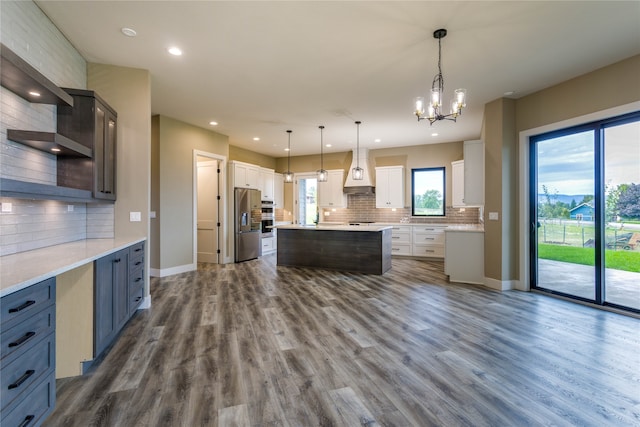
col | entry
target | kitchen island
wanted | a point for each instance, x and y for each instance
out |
(353, 248)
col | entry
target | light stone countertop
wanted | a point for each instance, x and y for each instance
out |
(335, 227)
(18, 271)
(468, 228)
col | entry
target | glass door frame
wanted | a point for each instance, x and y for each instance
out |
(598, 127)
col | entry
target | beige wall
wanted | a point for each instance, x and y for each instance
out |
(128, 91)
(602, 89)
(246, 156)
(173, 184)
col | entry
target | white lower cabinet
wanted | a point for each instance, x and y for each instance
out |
(401, 240)
(464, 260)
(268, 245)
(428, 240)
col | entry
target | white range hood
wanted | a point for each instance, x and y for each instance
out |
(367, 184)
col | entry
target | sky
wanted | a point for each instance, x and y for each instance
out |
(566, 164)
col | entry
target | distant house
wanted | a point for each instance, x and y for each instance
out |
(582, 212)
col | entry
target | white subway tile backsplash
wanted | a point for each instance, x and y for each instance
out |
(34, 224)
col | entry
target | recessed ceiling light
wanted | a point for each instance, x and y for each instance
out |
(212, 123)
(509, 92)
(328, 145)
(129, 32)
(434, 134)
(286, 149)
(55, 150)
(176, 51)
(34, 93)
(255, 138)
(377, 140)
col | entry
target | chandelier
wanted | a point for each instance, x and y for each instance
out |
(288, 175)
(322, 173)
(434, 110)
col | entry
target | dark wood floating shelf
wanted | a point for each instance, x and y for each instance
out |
(21, 78)
(32, 190)
(49, 142)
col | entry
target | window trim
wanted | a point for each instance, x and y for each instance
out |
(444, 192)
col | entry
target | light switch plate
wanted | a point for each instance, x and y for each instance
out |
(135, 217)
(7, 207)
(493, 216)
(69, 208)
(152, 214)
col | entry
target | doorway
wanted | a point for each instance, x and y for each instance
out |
(207, 212)
(584, 198)
(305, 193)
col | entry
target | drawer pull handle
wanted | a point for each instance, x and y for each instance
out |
(138, 250)
(26, 420)
(429, 238)
(138, 279)
(395, 237)
(21, 307)
(22, 339)
(22, 379)
(395, 249)
(138, 299)
(139, 262)
(117, 260)
(429, 250)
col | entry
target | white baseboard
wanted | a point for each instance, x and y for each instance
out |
(146, 303)
(499, 285)
(164, 272)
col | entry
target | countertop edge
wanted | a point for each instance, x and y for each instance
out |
(103, 248)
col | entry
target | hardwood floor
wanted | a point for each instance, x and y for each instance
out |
(252, 344)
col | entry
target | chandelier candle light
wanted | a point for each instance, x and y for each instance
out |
(434, 109)
(288, 175)
(322, 173)
(357, 172)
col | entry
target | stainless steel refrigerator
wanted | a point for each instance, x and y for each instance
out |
(248, 217)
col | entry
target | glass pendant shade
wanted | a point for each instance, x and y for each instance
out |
(322, 173)
(288, 175)
(357, 173)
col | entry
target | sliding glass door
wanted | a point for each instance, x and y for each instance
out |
(585, 212)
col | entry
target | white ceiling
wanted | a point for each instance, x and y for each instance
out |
(259, 68)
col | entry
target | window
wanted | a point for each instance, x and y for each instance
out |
(427, 192)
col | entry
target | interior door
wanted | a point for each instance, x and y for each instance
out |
(208, 192)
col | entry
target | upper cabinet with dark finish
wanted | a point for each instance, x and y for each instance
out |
(92, 123)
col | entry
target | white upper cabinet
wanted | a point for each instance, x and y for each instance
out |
(278, 190)
(457, 181)
(245, 175)
(390, 187)
(330, 193)
(474, 173)
(267, 184)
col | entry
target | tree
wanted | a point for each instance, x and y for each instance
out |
(629, 201)
(431, 199)
(611, 203)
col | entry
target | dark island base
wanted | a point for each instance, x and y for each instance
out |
(353, 251)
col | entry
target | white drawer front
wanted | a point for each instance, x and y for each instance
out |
(429, 238)
(400, 237)
(401, 228)
(429, 251)
(400, 249)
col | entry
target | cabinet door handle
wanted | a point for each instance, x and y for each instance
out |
(22, 379)
(22, 306)
(117, 260)
(22, 339)
(26, 420)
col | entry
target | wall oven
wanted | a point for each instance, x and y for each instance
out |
(268, 217)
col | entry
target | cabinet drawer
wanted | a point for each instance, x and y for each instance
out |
(428, 251)
(400, 249)
(21, 305)
(22, 336)
(400, 237)
(135, 298)
(429, 239)
(428, 228)
(267, 244)
(136, 277)
(18, 376)
(34, 408)
(401, 229)
(136, 253)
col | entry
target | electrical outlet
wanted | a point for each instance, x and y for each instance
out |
(493, 216)
(152, 214)
(69, 208)
(135, 217)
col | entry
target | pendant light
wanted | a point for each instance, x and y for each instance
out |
(322, 174)
(435, 110)
(357, 173)
(288, 175)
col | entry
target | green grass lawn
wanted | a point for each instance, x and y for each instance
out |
(618, 260)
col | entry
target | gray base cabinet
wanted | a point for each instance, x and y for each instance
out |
(27, 373)
(119, 290)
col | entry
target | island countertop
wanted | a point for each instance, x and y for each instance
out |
(335, 227)
(17, 271)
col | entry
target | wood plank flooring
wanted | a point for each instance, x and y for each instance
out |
(252, 344)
